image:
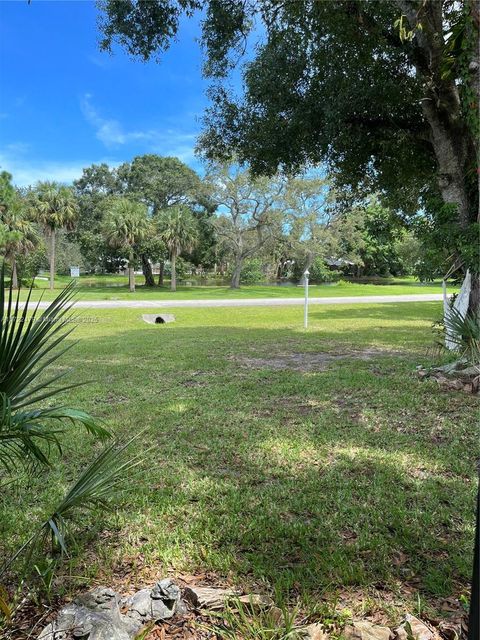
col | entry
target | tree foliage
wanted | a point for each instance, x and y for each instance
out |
(383, 91)
(53, 206)
(178, 230)
(20, 237)
(310, 217)
(161, 182)
(156, 181)
(124, 227)
(249, 210)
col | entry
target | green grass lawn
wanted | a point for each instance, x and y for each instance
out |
(355, 484)
(115, 288)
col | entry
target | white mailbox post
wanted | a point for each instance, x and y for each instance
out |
(305, 309)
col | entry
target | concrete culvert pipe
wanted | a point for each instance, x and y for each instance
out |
(158, 318)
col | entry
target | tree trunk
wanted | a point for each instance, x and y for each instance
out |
(237, 272)
(450, 145)
(279, 270)
(455, 155)
(173, 283)
(474, 302)
(131, 274)
(160, 273)
(454, 143)
(147, 271)
(52, 259)
(14, 274)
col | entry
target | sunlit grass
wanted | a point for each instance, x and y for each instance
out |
(301, 484)
(115, 287)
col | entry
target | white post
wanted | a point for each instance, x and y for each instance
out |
(305, 309)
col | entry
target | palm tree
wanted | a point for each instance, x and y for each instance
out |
(22, 239)
(54, 206)
(20, 236)
(179, 231)
(125, 225)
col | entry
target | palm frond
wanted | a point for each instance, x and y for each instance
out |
(97, 485)
(463, 332)
(29, 436)
(29, 344)
(24, 342)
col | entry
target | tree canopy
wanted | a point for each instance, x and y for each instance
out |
(248, 208)
(124, 227)
(383, 91)
(178, 230)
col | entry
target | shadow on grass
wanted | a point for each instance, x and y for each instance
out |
(356, 475)
(311, 480)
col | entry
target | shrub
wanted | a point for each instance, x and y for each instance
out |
(30, 265)
(184, 269)
(252, 272)
(463, 332)
(319, 272)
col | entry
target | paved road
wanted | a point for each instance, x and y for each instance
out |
(247, 302)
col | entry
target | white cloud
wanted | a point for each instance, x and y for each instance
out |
(175, 143)
(16, 148)
(17, 157)
(108, 131)
(27, 172)
(112, 133)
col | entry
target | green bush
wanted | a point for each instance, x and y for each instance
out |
(184, 269)
(319, 272)
(30, 265)
(68, 254)
(252, 272)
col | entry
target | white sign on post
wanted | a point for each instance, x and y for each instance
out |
(74, 272)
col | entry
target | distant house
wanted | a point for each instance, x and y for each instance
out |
(339, 263)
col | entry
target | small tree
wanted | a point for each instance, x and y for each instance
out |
(124, 226)
(22, 240)
(54, 206)
(178, 230)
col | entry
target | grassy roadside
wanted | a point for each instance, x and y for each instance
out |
(354, 483)
(115, 288)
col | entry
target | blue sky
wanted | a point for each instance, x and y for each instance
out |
(65, 105)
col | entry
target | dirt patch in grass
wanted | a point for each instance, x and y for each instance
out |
(310, 361)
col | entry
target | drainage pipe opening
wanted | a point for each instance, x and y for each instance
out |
(158, 318)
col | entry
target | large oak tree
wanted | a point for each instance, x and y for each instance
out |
(384, 91)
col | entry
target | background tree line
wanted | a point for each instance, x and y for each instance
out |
(156, 211)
